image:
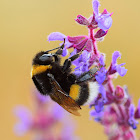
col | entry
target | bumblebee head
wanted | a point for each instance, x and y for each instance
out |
(44, 58)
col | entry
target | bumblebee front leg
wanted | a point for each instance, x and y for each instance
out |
(60, 49)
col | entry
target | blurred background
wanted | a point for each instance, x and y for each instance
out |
(25, 25)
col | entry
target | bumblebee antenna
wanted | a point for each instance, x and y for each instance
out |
(61, 47)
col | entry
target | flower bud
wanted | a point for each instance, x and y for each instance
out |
(82, 20)
(119, 93)
(100, 33)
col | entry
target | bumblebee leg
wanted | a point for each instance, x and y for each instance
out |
(87, 75)
(68, 61)
(60, 49)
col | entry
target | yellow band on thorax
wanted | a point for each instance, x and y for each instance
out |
(74, 91)
(37, 69)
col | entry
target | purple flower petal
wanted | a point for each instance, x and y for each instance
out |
(99, 103)
(81, 63)
(96, 5)
(65, 52)
(83, 58)
(73, 53)
(102, 92)
(77, 72)
(41, 98)
(97, 116)
(20, 129)
(104, 21)
(23, 114)
(131, 110)
(58, 112)
(100, 77)
(115, 56)
(84, 68)
(115, 67)
(101, 60)
(67, 43)
(132, 122)
(56, 36)
(68, 132)
(121, 70)
(81, 68)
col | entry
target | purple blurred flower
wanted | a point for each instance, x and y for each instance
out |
(68, 132)
(104, 20)
(25, 117)
(97, 115)
(58, 112)
(132, 122)
(137, 113)
(41, 99)
(43, 120)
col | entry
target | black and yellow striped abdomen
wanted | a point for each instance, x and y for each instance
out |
(84, 93)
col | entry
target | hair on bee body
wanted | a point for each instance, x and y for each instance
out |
(57, 81)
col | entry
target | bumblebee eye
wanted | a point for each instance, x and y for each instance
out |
(45, 57)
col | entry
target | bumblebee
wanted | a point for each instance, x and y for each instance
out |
(56, 80)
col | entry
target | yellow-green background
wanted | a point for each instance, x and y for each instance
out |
(24, 26)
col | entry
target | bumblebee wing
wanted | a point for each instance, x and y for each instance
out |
(66, 102)
(63, 99)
